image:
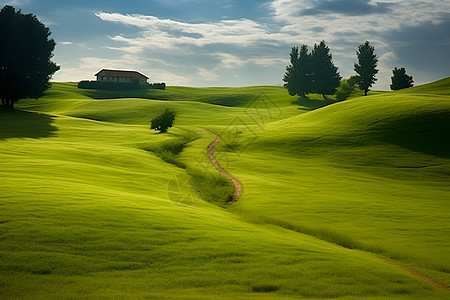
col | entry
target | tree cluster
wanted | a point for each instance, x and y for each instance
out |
(315, 73)
(311, 72)
(25, 56)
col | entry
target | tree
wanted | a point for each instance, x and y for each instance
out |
(311, 73)
(401, 80)
(291, 75)
(346, 88)
(298, 73)
(304, 71)
(326, 77)
(164, 121)
(25, 56)
(366, 66)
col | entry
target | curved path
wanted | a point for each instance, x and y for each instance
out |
(237, 185)
(238, 192)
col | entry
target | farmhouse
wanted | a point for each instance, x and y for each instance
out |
(121, 76)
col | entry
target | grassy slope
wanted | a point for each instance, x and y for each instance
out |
(369, 173)
(87, 213)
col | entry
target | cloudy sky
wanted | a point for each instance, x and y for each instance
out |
(240, 43)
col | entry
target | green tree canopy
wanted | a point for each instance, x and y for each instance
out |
(25, 56)
(298, 73)
(400, 80)
(346, 88)
(291, 75)
(326, 77)
(366, 66)
(164, 121)
(311, 73)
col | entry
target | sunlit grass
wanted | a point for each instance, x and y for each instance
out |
(95, 205)
(370, 173)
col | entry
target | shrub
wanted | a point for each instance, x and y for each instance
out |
(112, 86)
(401, 80)
(158, 86)
(345, 88)
(164, 121)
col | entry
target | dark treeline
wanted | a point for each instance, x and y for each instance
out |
(315, 73)
(311, 72)
(114, 86)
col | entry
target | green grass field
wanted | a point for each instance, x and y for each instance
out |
(94, 205)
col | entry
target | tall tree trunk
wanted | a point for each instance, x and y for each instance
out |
(365, 92)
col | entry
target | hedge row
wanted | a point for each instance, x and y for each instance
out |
(96, 85)
(158, 86)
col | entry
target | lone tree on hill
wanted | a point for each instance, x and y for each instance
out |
(25, 57)
(401, 80)
(326, 77)
(164, 121)
(366, 66)
(298, 74)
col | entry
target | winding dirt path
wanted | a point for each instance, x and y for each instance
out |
(237, 185)
(238, 192)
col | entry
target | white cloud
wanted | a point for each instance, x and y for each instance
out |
(385, 65)
(199, 43)
(76, 71)
(268, 62)
(170, 78)
(210, 51)
(229, 60)
(206, 74)
(387, 57)
(130, 49)
(344, 29)
(169, 34)
(297, 16)
(91, 65)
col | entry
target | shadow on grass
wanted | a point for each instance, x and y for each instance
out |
(153, 94)
(23, 124)
(312, 104)
(426, 133)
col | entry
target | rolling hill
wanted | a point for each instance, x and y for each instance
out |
(370, 173)
(94, 205)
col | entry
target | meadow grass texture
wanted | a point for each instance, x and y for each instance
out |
(94, 205)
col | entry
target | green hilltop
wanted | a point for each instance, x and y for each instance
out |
(336, 196)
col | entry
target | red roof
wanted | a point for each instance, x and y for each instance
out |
(119, 73)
